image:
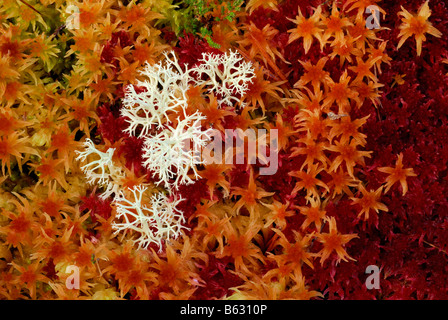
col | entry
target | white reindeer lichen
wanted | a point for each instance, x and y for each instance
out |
(101, 171)
(155, 224)
(173, 152)
(163, 90)
(226, 75)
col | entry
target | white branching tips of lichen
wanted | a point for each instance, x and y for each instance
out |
(163, 90)
(173, 152)
(103, 161)
(155, 224)
(165, 84)
(226, 75)
(101, 170)
(172, 149)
